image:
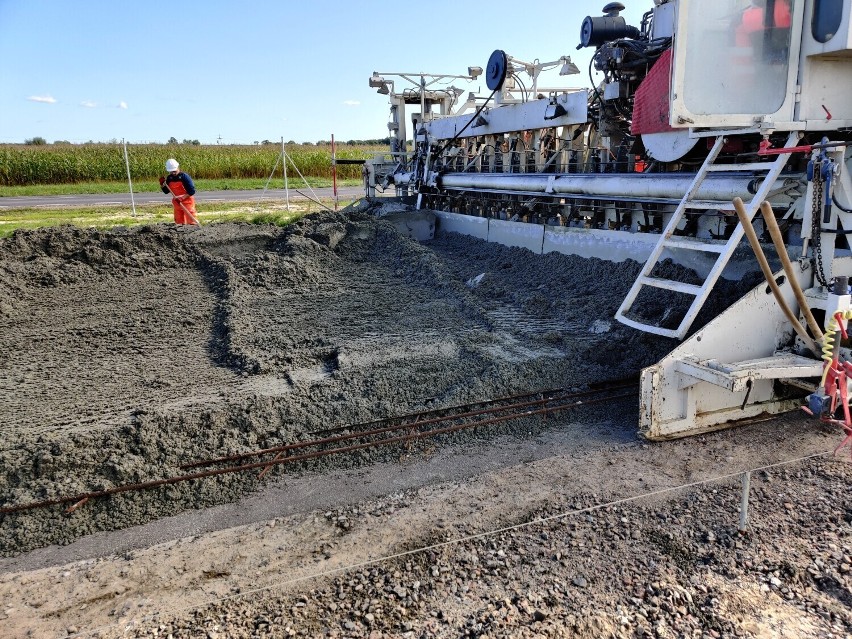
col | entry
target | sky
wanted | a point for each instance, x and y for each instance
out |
(248, 71)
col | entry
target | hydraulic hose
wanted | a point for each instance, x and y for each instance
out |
(748, 228)
(471, 121)
(781, 249)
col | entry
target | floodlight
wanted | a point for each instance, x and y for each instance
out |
(383, 89)
(474, 72)
(480, 121)
(554, 110)
(568, 68)
(377, 81)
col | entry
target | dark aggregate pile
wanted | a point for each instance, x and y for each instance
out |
(128, 353)
(676, 567)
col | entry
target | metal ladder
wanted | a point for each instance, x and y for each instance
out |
(723, 251)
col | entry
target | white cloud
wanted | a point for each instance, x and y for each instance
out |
(47, 99)
(88, 104)
(351, 102)
(122, 105)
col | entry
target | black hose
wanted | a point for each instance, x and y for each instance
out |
(524, 91)
(471, 121)
(592, 80)
(838, 205)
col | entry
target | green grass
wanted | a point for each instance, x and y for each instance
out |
(151, 186)
(105, 217)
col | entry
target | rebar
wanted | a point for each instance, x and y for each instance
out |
(520, 408)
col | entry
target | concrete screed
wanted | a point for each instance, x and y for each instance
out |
(130, 352)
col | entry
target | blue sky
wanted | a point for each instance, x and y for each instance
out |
(252, 70)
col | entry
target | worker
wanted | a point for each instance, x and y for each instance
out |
(757, 73)
(754, 21)
(180, 185)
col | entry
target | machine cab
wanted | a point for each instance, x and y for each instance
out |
(762, 64)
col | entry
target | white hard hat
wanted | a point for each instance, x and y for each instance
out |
(171, 165)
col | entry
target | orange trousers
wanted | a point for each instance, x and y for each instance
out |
(181, 216)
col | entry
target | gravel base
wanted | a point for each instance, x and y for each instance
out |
(666, 567)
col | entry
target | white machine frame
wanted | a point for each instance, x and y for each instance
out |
(741, 364)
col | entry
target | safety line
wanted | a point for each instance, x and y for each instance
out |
(449, 542)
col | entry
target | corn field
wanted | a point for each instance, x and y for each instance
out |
(69, 164)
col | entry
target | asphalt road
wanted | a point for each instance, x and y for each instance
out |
(344, 193)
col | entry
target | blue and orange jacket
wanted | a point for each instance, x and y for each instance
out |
(181, 184)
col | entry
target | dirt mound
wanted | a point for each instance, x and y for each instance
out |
(67, 254)
(130, 353)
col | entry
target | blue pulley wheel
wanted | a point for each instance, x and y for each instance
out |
(495, 72)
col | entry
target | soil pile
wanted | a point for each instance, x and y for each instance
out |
(129, 353)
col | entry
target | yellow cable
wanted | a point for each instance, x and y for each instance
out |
(828, 341)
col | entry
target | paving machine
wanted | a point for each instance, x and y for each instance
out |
(714, 120)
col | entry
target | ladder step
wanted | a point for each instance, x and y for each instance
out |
(691, 244)
(689, 206)
(749, 166)
(671, 285)
(646, 328)
(735, 376)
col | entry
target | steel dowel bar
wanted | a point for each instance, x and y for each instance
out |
(379, 431)
(268, 468)
(436, 410)
(286, 460)
(593, 387)
(614, 384)
(359, 434)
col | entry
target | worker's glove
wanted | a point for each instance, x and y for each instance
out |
(162, 180)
